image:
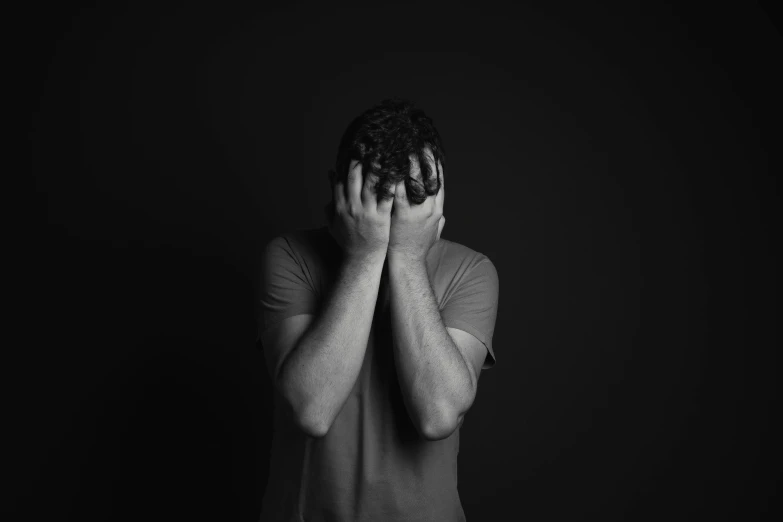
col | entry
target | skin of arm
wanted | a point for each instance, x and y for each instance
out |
(437, 385)
(319, 373)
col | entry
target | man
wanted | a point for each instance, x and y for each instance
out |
(375, 331)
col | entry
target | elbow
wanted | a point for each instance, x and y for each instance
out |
(440, 427)
(445, 420)
(303, 413)
(311, 424)
(312, 428)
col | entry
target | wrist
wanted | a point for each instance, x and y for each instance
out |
(404, 260)
(373, 258)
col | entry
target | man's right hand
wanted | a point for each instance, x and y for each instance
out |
(361, 224)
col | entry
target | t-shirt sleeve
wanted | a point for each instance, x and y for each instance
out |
(473, 306)
(286, 289)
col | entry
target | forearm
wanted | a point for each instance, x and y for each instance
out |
(434, 378)
(321, 370)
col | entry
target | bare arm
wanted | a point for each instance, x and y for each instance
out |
(437, 384)
(319, 373)
(435, 380)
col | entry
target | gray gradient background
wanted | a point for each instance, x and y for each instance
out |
(615, 163)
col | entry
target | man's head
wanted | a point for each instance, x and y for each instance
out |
(394, 141)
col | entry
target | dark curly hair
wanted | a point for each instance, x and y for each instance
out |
(383, 139)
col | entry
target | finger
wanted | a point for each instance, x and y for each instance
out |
(338, 192)
(368, 198)
(385, 205)
(354, 188)
(441, 195)
(400, 195)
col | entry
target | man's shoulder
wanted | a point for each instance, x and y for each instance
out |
(458, 256)
(312, 246)
(304, 234)
(303, 237)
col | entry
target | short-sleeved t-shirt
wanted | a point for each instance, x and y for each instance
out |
(372, 465)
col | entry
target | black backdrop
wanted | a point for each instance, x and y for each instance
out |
(615, 162)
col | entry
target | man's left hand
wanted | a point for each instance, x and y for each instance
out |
(415, 228)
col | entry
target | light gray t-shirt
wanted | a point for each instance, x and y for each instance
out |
(372, 465)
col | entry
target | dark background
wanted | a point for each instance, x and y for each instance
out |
(615, 162)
